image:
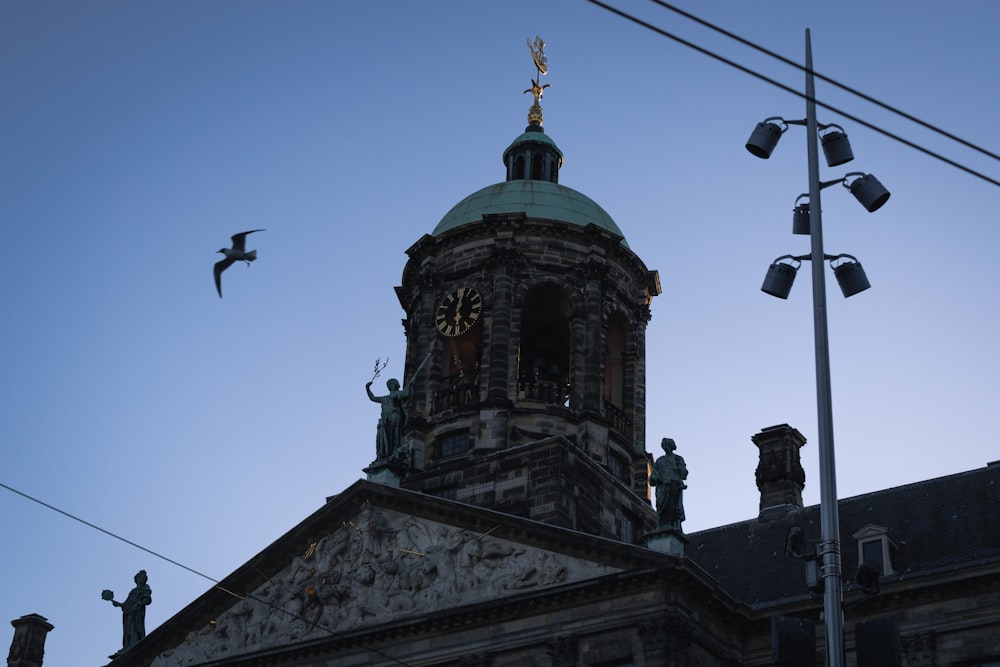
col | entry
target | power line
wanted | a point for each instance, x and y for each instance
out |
(793, 91)
(837, 84)
(216, 582)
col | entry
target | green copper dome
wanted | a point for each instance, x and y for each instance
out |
(534, 134)
(536, 199)
(532, 187)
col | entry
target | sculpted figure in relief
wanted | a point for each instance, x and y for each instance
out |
(385, 565)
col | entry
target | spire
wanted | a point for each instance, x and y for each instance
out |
(542, 67)
(533, 156)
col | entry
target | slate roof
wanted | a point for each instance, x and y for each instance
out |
(940, 525)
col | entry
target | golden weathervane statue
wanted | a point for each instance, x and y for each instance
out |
(542, 65)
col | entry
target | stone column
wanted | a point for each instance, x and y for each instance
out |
(589, 349)
(28, 646)
(636, 408)
(498, 388)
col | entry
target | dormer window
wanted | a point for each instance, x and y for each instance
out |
(877, 545)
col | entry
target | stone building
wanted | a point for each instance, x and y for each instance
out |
(507, 524)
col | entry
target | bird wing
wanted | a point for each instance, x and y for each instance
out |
(240, 240)
(221, 266)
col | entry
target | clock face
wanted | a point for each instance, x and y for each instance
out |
(458, 311)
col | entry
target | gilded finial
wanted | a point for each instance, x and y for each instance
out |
(537, 49)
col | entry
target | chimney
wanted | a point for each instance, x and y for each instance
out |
(780, 477)
(28, 645)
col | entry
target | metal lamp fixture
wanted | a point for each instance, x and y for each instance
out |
(765, 137)
(868, 575)
(800, 216)
(781, 274)
(850, 276)
(836, 147)
(867, 190)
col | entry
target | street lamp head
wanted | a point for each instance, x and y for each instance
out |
(800, 216)
(765, 137)
(780, 276)
(836, 147)
(850, 276)
(868, 576)
(867, 190)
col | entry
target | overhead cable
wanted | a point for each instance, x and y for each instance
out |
(216, 582)
(794, 91)
(833, 82)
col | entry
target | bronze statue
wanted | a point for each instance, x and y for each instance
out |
(392, 422)
(389, 433)
(133, 610)
(669, 473)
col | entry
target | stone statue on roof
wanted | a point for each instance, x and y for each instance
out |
(133, 610)
(394, 416)
(669, 473)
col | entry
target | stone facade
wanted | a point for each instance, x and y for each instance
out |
(575, 299)
(549, 480)
(515, 533)
(386, 576)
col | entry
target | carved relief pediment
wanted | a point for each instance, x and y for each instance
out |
(380, 566)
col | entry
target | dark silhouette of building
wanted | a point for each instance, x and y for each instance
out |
(515, 529)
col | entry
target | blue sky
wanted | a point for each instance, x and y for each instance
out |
(137, 137)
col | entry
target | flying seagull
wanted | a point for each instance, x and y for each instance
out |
(238, 253)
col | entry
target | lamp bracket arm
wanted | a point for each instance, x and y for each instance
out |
(834, 258)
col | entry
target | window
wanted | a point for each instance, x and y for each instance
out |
(614, 360)
(872, 551)
(627, 531)
(517, 171)
(453, 444)
(876, 544)
(544, 354)
(618, 465)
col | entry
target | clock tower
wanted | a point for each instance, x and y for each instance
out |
(527, 311)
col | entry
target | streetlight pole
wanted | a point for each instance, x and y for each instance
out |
(829, 548)
(871, 194)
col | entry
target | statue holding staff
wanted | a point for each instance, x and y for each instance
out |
(392, 422)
